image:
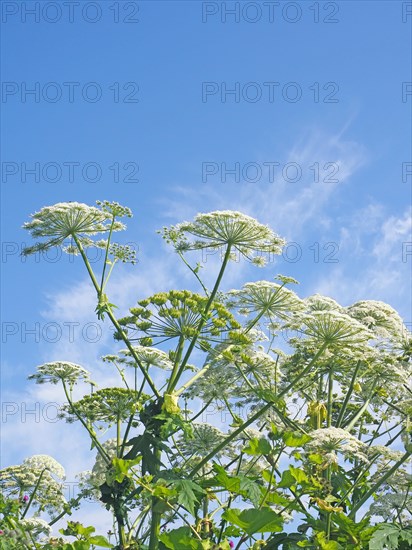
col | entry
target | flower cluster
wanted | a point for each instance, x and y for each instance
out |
(335, 329)
(331, 441)
(148, 357)
(178, 314)
(115, 209)
(65, 221)
(107, 405)
(224, 228)
(379, 317)
(36, 473)
(123, 253)
(204, 438)
(60, 371)
(36, 526)
(265, 298)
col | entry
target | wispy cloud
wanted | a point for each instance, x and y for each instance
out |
(288, 207)
(378, 244)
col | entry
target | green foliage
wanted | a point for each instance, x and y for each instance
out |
(255, 520)
(310, 427)
(390, 537)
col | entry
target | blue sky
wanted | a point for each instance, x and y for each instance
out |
(324, 105)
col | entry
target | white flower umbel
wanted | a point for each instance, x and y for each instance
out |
(149, 357)
(266, 298)
(26, 478)
(60, 223)
(335, 329)
(379, 317)
(45, 462)
(222, 228)
(331, 441)
(317, 302)
(36, 526)
(205, 438)
(390, 506)
(60, 371)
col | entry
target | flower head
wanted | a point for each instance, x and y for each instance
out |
(317, 302)
(264, 297)
(45, 462)
(204, 438)
(107, 405)
(333, 328)
(38, 474)
(379, 317)
(148, 357)
(178, 314)
(330, 441)
(60, 371)
(223, 228)
(60, 223)
(36, 526)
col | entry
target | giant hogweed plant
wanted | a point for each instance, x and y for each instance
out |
(311, 444)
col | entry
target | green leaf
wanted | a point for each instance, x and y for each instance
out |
(385, 537)
(186, 496)
(287, 480)
(179, 539)
(99, 540)
(241, 485)
(250, 489)
(326, 544)
(295, 439)
(286, 541)
(253, 520)
(121, 467)
(81, 545)
(299, 474)
(257, 447)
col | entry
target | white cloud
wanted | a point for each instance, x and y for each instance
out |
(287, 207)
(383, 268)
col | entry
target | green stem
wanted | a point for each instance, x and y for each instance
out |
(113, 318)
(106, 255)
(376, 485)
(132, 351)
(193, 271)
(32, 495)
(118, 437)
(348, 395)
(156, 515)
(229, 502)
(192, 380)
(67, 510)
(203, 320)
(105, 456)
(348, 425)
(179, 352)
(258, 414)
(330, 396)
